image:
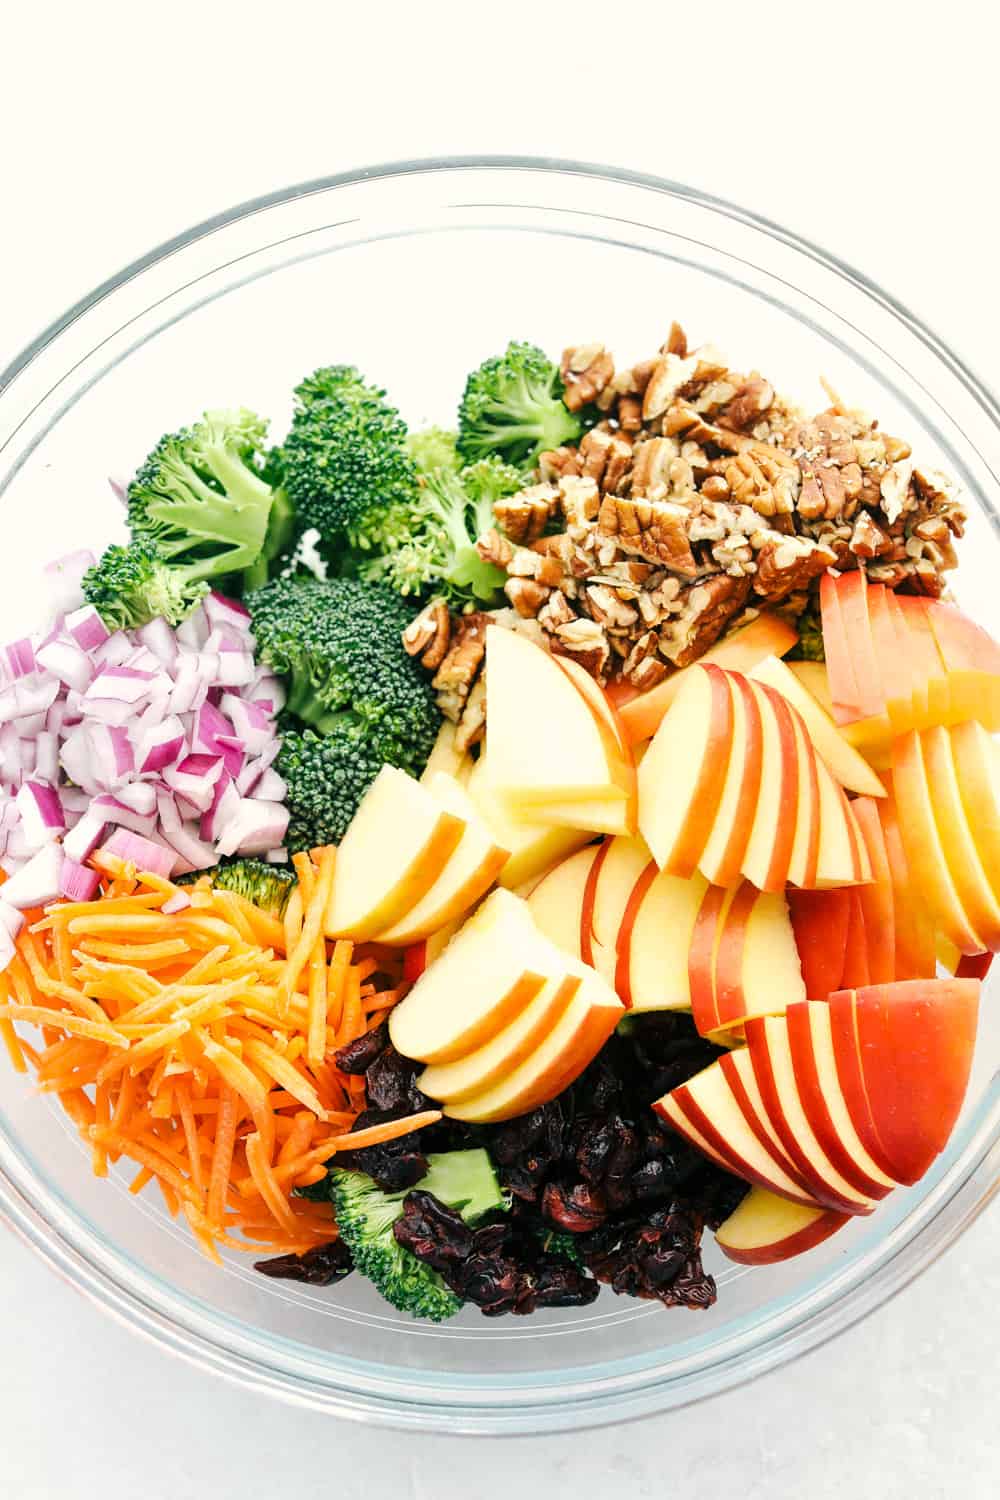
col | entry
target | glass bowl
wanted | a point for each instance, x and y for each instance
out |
(415, 272)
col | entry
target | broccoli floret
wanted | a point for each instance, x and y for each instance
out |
(327, 776)
(345, 462)
(512, 406)
(434, 448)
(560, 1242)
(339, 643)
(129, 586)
(462, 1180)
(200, 499)
(809, 646)
(267, 886)
(449, 512)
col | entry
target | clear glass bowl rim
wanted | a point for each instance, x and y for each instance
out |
(76, 1255)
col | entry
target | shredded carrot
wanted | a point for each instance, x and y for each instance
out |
(351, 1025)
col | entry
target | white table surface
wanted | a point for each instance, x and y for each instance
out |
(860, 125)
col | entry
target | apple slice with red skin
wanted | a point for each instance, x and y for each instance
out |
(757, 970)
(766, 1229)
(893, 665)
(746, 1091)
(842, 1146)
(931, 698)
(770, 1054)
(820, 922)
(556, 903)
(876, 899)
(654, 943)
(852, 597)
(705, 1110)
(971, 883)
(847, 1058)
(977, 769)
(845, 692)
(772, 838)
(839, 859)
(683, 773)
(705, 939)
(623, 967)
(723, 855)
(612, 879)
(856, 969)
(915, 955)
(974, 965)
(972, 664)
(916, 1040)
(804, 861)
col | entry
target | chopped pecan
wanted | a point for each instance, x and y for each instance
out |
(676, 341)
(763, 477)
(645, 647)
(587, 642)
(868, 539)
(494, 548)
(555, 462)
(670, 375)
(648, 673)
(604, 606)
(656, 530)
(894, 489)
(526, 595)
(555, 611)
(454, 677)
(630, 413)
(585, 371)
(715, 487)
(707, 608)
(786, 564)
(606, 458)
(744, 409)
(428, 635)
(472, 724)
(655, 604)
(579, 498)
(524, 516)
(550, 571)
(524, 562)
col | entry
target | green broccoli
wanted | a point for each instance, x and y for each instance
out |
(267, 886)
(560, 1242)
(129, 586)
(449, 512)
(809, 646)
(463, 1180)
(327, 775)
(512, 406)
(434, 448)
(345, 462)
(200, 500)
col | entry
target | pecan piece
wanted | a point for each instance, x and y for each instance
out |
(555, 611)
(524, 516)
(428, 635)
(556, 462)
(604, 606)
(526, 595)
(868, 540)
(707, 608)
(579, 498)
(762, 477)
(787, 564)
(656, 530)
(587, 642)
(472, 724)
(585, 371)
(744, 410)
(606, 458)
(494, 548)
(458, 671)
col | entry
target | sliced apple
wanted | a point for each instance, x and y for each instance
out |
(703, 949)
(850, 1076)
(849, 768)
(804, 862)
(972, 665)
(556, 1061)
(856, 970)
(878, 913)
(767, 635)
(814, 678)
(810, 1042)
(765, 1229)
(770, 1054)
(395, 849)
(977, 770)
(841, 661)
(545, 744)
(913, 930)
(739, 1071)
(683, 773)
(893, 664)
(598, 815)
(705, 1110)
(487, 975)
(722, 858)
(820, 921)
(925, 853)
(655, 937)
(839, 860)
(916, 1040)
(472, 869)
(757, 970)
(772, 838)
(971, 882)
(556, 903)
(613, 878)
(444, 756)
(481, 1069)
(534, 847)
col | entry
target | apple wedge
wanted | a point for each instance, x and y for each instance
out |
(556, 903)
(654, 938)
(772, 838)
(488, 974)
(757, 970)
(395, 849)
(925, 854)
(820, 921)
(739, 1071)
(849, 768)
(878, 908)
(810, 1040)
(916, 1040)
(850, 1076)
(972, 666)
(913, 933)
(473, 867)
(444, 757)
(856, 970)
(977, 770)
(545, 743)
(706, 1112)
(556, 1061)
(804, 862)
(683, 773)
(766, 1229)
(722, 858)
(813, 677)
(972, 885)
(767, 635)
(770, 1055)
(613, 877)
(842, 858)
(481, 1069)
(703, 948)
(533, 847)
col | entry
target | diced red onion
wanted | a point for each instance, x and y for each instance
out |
(277, 856)
(112, 759)
(194, 777)
(161, 746)
(47, 756)
(75, 757)
(119, 487)
(81, 841)
(194, 853)
(193, 632)
(180, 901)
(190, 688)
(42, 817)
(254, 828)
(159, 639)
(166, 809)
(86, 627)
(271, 787)
(28, 726)
(210, 723)
(20, 657)
(77, 882)
(254, 769)
(141, 852)
(225, 804)
(112, 810)
(266, 686)
(68, 662)
(64, 577)
(140, 796)
(252, 724)
(114, 650)
(37, 881)
(235, 669)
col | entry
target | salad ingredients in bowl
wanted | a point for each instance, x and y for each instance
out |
(483, 860)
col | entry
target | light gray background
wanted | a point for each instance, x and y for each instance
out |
(861, 125)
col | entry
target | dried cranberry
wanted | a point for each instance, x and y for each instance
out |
(390, 1083)
(320, 1266)
(359, 1055)
(576, 1209)
(435, 1234)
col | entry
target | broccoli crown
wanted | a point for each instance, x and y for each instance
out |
(267, 886)
(339, 643)
(513, 406)
(434, 448)
(345, 461)
(200, 500)
(449, 512)
(129, 586)
(326, 776)
(810, 643)
(463, 1180)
